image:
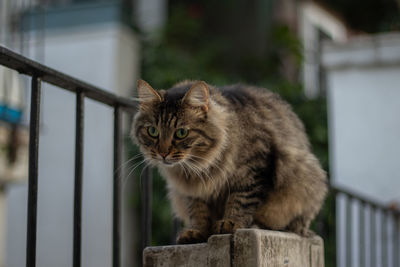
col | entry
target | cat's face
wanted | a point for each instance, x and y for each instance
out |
(174, 127)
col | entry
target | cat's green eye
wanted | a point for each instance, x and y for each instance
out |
(152, 131)
(181, 133)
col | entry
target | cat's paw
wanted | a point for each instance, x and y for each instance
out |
(191, 236)
(226, 227)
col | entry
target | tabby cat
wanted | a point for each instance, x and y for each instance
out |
(233, 157)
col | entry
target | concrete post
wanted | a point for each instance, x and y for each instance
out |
(247, 247)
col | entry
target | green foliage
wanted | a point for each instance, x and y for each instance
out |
(188, 49)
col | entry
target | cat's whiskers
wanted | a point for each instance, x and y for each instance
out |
(216, 166)
(133, 168)
(128, 161)
(191, 167)
(140, 176)
(210, 163)
(205, 171)
(208, 169)
(184, 170)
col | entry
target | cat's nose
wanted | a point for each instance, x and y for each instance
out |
(163, 154)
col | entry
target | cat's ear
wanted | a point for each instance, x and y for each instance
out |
(198, 96)
(147, 95)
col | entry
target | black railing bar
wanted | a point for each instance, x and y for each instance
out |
(373, 235)
(79, 128)
(29, 67)
(384, 240)
(364, 199)
(396, 247)
(334, 207)
(33, 172)
(147, 185)
(116, 253)
(175, 230)
(349, 231)
(361, 209)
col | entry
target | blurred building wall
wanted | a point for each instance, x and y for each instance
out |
(14, 165)
(363, 81)
(314, 24)
(88, 42)
(150, 15)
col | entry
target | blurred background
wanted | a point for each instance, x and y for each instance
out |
(336, 61)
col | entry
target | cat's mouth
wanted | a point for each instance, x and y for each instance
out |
(169, 162)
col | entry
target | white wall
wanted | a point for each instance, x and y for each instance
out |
(105, 55)
(364, 103)
(363, 78)
(366, 130)
(150, 15)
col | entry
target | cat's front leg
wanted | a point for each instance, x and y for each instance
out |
(239, 210)
(198, 229)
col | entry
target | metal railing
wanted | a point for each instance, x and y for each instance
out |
(40, 73)
(363, 231)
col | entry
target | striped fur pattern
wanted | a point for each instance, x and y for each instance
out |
(244, 160)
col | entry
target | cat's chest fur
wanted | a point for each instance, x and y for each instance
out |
(205, 185)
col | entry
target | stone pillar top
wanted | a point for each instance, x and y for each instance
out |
(246, 247)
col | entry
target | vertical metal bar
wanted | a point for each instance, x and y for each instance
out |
(175, 230)
(339, 228)
(373, 236)
(384, 239)
(334, 234)
(396, 248)
(80, 100)
(146, 206)
(116, 255)
(33, 172)
(349, 227)
(362, 233)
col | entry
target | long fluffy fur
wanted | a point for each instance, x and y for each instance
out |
(246, 161)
